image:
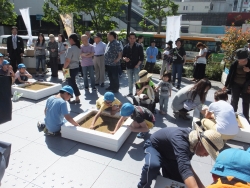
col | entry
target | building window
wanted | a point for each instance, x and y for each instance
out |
(192, 7)
(185, 7)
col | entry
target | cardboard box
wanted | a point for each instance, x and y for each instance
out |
(162, 182)
(3, 51)
(30, 53)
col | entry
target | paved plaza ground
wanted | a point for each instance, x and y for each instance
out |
(43, 161)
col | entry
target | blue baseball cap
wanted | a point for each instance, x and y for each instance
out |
(109, 96)
(5, 62)
(233, 162)
(1, 55)
(67, 89)
(21, 65)
(127, 109)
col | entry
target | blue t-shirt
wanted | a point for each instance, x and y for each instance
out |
(151, 51)
(56, 109)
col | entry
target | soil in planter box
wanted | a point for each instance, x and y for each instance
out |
(239, 123)
(37, 86)
(103, 123)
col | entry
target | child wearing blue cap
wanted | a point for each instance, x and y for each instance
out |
(143, 119)
(6, 70)
(22, 74)
(231, 169)
(55, 112)
(106, 102)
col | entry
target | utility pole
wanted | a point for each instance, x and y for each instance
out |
(129, 17)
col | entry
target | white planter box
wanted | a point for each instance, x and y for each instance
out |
(96, 138)
(162, 182)
(243, 134)
(35, 95)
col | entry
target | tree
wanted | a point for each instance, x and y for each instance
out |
(159, 9)
(144, 26)
(100, 12)
(233, 40)
(7, 14)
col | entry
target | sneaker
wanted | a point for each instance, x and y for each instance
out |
(141, 134)
(130, 94)
(40, 125)
(178, 87)
(102, 85)
(94, 88)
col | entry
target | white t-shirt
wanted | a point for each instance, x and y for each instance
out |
(226, 122)
(17, 75)
(202, 60)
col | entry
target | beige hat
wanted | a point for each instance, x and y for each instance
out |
(211, 140)
(143, 76)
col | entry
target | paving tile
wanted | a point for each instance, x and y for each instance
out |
(10, 181)
(112, 177)
(16, 142)
(16, 121)
(203, 172)
(27, 130)
(92, 153)
(70, 171)
(130, 158)
(207, 160)
(31, 185)
(58, 143)
(30, 161)
(32, 111)
(21, 103)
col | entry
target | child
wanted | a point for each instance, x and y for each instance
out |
(22, 75)
(143, 119)
(220, 116)
(165, 93)
(106, 102)
(55, 112)
(6, 70)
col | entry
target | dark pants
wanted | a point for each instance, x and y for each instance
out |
(113, 77)
(80, 69)
(199, 71)
(23, 78)
(236, 91)
(177, 68)
(15, 59)
(72, 81)
(54, 66)
(153, 163)
(149, 67)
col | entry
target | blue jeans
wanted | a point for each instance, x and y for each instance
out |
(164, 103)
(40, 59)
(85, 71)
(133, 76)
(177, 68)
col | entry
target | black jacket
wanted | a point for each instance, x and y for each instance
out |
(20, 45)
(91, 41)
(232, 72)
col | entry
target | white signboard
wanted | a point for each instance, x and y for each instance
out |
(25, 12)
(173, 28)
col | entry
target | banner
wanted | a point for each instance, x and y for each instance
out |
(68, 23)
(25, 12)
(173, 28)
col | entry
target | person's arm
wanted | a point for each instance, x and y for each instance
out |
(66, 64)
(119, 124)
(90, 54)
(191, 183)
(119, 57)
(197, 179)
(48, 47)
(92, 126)
(140, 91)
(68, 58)
(71, 120)
(170, 92)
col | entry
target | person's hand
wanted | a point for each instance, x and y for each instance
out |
(246, 69)
(92, 127)
(151, 56)
(137, 66)
(224, 88)
(112, 132)
(126, 59)
(116, 60)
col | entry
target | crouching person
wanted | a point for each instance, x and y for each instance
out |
(143, 119)
(55, 112)
(22, 74)
(107, 102)
(172, 148)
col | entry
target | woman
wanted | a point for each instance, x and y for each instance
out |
(190, 97)
(61, 50)
(167, 58)
(145, 91)
(200, 66)
(72, 63)
(53, 55)
(40, 54)
(238, 80)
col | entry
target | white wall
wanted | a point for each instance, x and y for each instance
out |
(36, 6)
(193, 7)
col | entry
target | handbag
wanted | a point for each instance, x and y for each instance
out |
(189, 105)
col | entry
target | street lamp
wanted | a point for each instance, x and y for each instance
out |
(129, 17)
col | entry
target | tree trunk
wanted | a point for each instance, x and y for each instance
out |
(61, 26)
(159, 26)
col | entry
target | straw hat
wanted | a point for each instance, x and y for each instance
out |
(211, 140)
(143, 76)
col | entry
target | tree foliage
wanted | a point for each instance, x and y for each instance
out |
(234, 39)
(7, 14)
(159, 9)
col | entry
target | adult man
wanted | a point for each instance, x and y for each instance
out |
(172, 149)
(231, 169)
(87, 52)
(91, 41)
(151, 53)
(133, 56)
(113, 54)
(179, 59)
(15, 48)
(99, 64)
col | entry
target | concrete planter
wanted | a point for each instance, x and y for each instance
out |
(96, 138)
(36, 95)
